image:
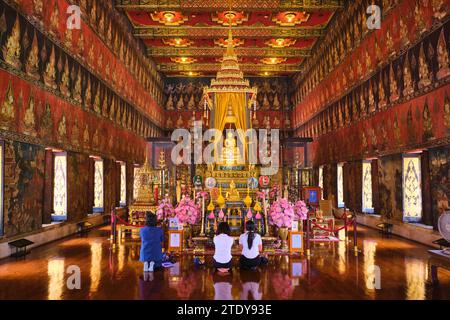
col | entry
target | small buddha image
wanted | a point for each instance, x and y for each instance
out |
(443, 59)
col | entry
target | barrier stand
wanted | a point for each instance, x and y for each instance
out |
(113, 238)
(308, 248)
(355, 236)
(345, 223)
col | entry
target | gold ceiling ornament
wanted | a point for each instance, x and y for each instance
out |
(230, 18)
(291, 18)
(273, 60)
(169, 18)
(224, 42)
(178, 42)
(184, 60)
(280, 42)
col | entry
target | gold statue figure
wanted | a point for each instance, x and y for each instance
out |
(28, 121)
(11, 49)
(443, 59)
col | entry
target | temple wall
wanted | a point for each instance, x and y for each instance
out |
(378, 95)
(55, 95)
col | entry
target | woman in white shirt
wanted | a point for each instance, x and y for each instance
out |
(223, 243)
(251, 246)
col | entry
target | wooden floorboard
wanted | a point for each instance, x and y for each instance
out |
(332, 273)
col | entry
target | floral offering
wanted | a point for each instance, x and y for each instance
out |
(187, 211)
(281, 213)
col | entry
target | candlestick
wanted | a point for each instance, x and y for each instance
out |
(266, 224)
(202, 232)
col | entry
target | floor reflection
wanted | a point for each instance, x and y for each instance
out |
(416, 276)
(56, 282)
(333, 272)
(96, 267)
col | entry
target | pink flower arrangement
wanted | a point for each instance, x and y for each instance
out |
(281, 213)
(273, 193)
(165, 210)
(301, 210)
(187, 211)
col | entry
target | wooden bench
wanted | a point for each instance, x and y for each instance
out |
(437, 259)
(442, 243)
(124, 229)
(84, 227)
(385, 228)
(21, 247)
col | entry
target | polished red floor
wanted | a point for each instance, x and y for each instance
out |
(332, 273)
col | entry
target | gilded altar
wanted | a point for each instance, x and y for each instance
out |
(145, 200)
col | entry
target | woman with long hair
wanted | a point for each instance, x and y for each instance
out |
(251, 245)
(223, 243)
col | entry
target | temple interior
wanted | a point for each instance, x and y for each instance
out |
(323, 125)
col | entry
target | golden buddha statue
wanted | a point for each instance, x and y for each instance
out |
(397, 133)
(28, 120)
(62, 129)
(50, 72)
(404, 33)
(381, 95)
(233, 193)
(8, 109)
(230, 153)
(74, 136)
(447, 112)
(440, 9)
(11, 49)
(393, 85)
(427, 123)
(407, 80)
(54, 20)
(443, 58)
(32, 63)
(424, 71)
(64, 85)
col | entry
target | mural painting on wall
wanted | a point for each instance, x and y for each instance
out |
(117, 57)
(77, 180)
(24, 167)
(40, 62)
(440, 180)
(186, 94)
(390, 187)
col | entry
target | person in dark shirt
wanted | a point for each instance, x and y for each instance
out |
(152, 238)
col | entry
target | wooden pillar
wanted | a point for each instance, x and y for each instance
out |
(375, 187)
(48, 188)
(427, 215)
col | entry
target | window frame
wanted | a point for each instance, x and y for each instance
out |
(59, 217)
(340, 205)
(365, 209)
(123, 166)
(321, 180)
(418, 156)
(94, 208)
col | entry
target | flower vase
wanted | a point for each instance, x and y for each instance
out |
(283, 234)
